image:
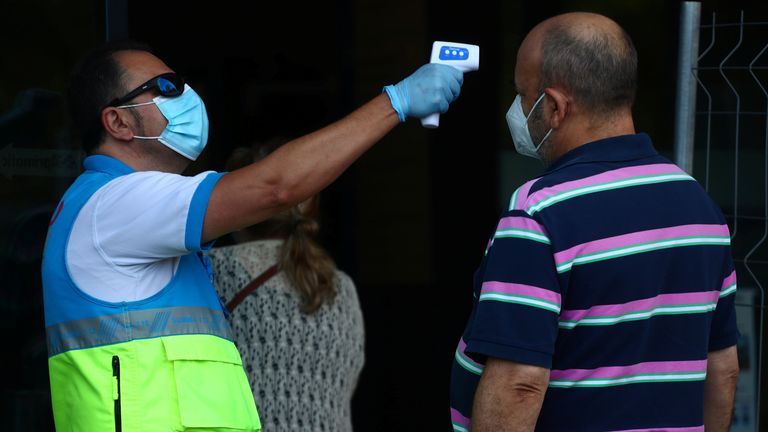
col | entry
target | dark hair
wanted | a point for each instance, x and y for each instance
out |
(307, 265)
(96, 80)
(599, 68)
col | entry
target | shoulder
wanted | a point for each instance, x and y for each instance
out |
(587, 178)
(345, 288)
(344, 280)
(156, 179)
(229, 257)
(148, 189)
(260, 253)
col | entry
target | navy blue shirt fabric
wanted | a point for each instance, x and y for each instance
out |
(613, 270)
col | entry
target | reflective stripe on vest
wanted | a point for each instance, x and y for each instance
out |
(137, 324)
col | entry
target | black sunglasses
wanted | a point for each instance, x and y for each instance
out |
(167, 84)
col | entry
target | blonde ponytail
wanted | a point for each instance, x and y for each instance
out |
(306, 264)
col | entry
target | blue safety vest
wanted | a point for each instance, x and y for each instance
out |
(164, 363)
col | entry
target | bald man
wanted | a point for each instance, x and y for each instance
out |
(605, 300)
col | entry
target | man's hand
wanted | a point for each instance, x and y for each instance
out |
(427, 91)
(509, 397)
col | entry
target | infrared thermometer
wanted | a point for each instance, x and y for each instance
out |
(463, 57)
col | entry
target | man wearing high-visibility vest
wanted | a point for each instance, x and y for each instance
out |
(137, 337)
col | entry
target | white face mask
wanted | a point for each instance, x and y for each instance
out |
(518, 128)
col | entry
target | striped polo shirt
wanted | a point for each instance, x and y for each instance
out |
(613, 270)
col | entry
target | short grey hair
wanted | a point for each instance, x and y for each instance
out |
(598, 68)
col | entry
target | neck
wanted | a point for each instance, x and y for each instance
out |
(164, 159)
(584, 131)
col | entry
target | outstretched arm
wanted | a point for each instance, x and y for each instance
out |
(305, 166)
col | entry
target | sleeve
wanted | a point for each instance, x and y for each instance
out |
(724, 332)
(148, 216)
(518, 303)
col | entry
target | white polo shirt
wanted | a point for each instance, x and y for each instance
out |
(126, 242)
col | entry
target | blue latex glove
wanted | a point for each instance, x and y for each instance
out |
(427, 91)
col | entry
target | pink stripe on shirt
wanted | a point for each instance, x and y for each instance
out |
(641, 305)
(606, 177)
(640, 237)
(522, 195)
(521, 290)
(635, 369)
(456, 417)
(729, 280)
(517, 222)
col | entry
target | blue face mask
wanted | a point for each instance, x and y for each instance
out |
(187, 130)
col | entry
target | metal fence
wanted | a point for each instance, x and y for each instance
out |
(721, 138)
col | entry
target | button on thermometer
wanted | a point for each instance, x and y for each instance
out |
(463, 57)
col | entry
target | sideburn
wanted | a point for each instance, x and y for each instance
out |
(139, 119)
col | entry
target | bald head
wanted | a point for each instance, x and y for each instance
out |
(581, 23)
(587, 55)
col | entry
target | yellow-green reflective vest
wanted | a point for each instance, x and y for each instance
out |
(166, 363)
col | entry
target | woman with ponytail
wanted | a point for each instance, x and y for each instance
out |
(296, 319)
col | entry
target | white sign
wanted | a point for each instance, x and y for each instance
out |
(16, 161)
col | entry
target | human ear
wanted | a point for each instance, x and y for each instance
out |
(115, 122)
(556, 107)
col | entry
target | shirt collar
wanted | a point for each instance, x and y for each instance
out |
(613, 149)
(106, 164)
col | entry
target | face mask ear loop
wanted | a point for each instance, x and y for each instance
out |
(529, 116)
(137, 105)
(542, 140)
(533, 107)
